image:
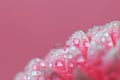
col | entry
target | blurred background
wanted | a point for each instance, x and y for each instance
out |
(30, 28)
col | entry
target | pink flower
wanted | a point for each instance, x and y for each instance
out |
(94, 55)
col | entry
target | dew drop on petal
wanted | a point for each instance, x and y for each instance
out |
(34, 73)
(59, 63)
(80, 59)
(76, 41)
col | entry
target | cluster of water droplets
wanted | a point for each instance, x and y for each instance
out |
(86, 56)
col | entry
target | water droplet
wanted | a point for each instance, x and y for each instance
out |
(28, 77)
(34, 73)
(76, 41)
(69, 56)
(42, 64)
(71, 64)
(103, 39)
(32, 63)
(106, 34)
(115, 23)
(86, 44)
(80, 59)
(59, 63)
(110, 44)
(50, 65)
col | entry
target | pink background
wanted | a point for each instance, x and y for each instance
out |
(30, 28)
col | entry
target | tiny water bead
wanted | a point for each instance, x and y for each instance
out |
(94, 55)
